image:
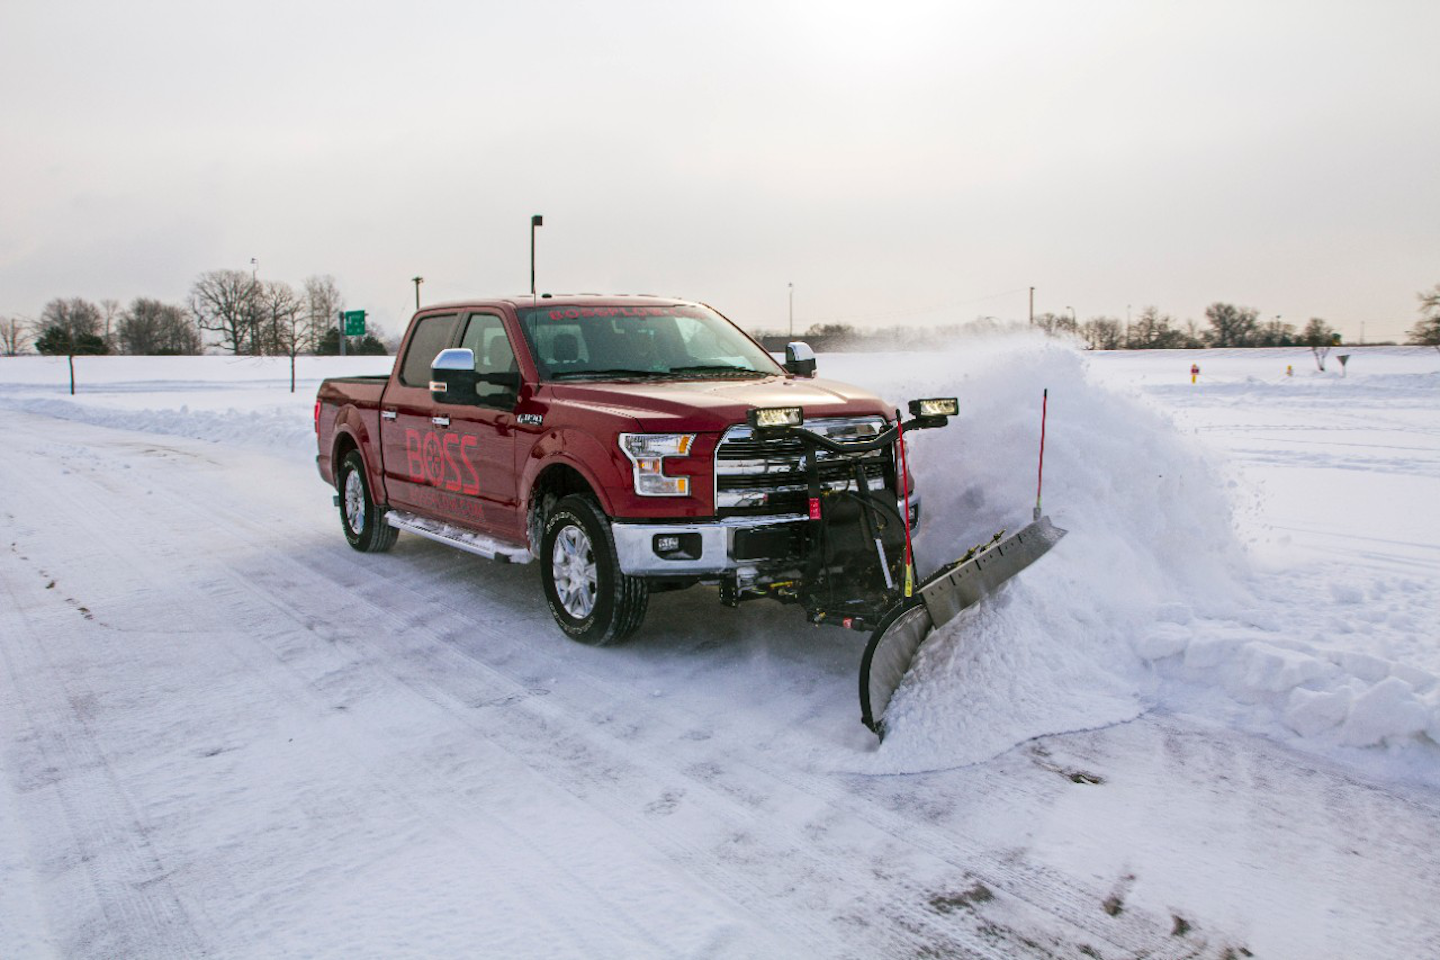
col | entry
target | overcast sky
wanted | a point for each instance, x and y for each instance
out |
(898, 162)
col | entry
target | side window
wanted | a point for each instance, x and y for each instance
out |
(431, 335)
(485, 335)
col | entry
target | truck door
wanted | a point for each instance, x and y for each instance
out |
(414, 464)
(480, 437)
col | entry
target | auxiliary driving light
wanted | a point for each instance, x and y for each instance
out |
(935, 407)
(762, 418)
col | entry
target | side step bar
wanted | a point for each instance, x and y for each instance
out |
(458, 537)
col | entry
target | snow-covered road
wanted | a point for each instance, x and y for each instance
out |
(224, 733)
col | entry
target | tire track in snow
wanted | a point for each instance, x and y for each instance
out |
(236, 594)
(1034, 889)
(580, 783)
(140, 912)
(1035, 896)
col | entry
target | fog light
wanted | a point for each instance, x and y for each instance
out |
(677, 546)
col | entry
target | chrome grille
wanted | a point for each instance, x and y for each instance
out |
(756, 477)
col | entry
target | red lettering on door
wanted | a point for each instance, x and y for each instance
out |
(442, 460)
(451, 440)
(415, 465)
(473, 487)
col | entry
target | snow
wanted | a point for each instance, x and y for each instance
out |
(222, 731)
(1178, 566)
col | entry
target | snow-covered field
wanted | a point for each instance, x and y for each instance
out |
(1206, 722)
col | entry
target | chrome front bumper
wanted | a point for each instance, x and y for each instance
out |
(707, 547)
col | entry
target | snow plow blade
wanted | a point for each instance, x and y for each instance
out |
(944, 594)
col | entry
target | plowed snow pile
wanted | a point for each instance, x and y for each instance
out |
(1151, 599)
(1150, 529)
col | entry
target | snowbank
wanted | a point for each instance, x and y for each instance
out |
(1151, 602)
(1149, 527)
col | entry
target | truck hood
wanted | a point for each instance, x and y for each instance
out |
(695, 406)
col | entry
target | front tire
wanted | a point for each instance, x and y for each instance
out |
(591, 599)
(365, 529)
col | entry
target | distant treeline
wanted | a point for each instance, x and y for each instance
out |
(1226, 326)
(234, 310)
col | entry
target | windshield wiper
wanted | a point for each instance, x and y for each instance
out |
(718, 369)
(611, 372)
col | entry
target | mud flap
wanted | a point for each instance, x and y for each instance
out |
(944, 594)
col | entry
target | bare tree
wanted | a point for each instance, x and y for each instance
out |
(111, 311)
(150, 327)
(225, 302)
(14, 335)
(1231, 326)
(1274, 333)
(284, 322)
(1103, 333)
(1153, 330)
(323, 304)
(1319, 337)
(277, 312)
(1056, 324)
(1426, 332)
(72, 319)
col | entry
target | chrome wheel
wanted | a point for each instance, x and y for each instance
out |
(354, 501)
(572, 566)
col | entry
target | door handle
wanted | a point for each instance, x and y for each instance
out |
(387, 414)
(440, 421)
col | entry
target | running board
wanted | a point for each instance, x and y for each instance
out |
(458, 537)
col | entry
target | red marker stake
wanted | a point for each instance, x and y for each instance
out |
(1040, 477)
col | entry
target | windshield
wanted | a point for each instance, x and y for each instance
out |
(682, 341)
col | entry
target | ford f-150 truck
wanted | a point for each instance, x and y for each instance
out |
(608, 436)
(635, 444)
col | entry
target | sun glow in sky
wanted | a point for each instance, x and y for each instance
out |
(907, 162)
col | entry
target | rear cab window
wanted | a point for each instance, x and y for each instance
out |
(430, 336)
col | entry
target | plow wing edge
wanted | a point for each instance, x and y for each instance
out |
(897, 639)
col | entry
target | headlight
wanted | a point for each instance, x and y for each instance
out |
(768, 417)
(940, 407)
(647, 453)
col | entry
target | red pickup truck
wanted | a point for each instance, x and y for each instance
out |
(614, 438)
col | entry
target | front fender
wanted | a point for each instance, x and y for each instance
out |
(586, 455)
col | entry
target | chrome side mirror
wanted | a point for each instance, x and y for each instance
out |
(452, 376)
(799, 358)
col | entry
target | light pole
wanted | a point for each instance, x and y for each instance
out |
(792, 309)
(254, 270)
(1032, 306)
(1073, 322)
(536, 221)
(417, 281)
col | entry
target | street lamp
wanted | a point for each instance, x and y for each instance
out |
(1073, 321)
(417, 281)
(536, 221)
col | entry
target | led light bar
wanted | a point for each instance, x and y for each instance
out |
(935, 407)
(762, 418)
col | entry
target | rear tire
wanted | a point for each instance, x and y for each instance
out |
(365, 528)
(591, 599)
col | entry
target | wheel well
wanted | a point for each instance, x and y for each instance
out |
(343, 445)
(555, 481)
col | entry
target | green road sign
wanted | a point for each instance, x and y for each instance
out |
(354, 323)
